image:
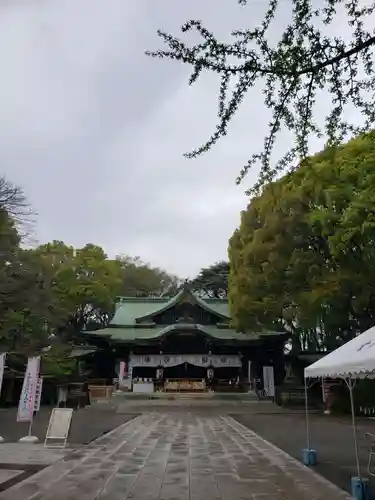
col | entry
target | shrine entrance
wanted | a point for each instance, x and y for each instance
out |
(185, 377)
(182, 372)
(185, 371)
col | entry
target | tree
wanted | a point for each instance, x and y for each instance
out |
(142, 280)
(50, 293)
(56, 361)
(13, 201)
(85, 284)
(26, 303)
(212, 281)
(25, 292)
(306, 60)
(303, 258)
(12, 205)
(9, 244)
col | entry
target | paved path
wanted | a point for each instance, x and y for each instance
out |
(20, 461)
(177, 456)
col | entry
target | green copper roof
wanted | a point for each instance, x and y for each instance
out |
(133, 310)
(133, 320)
(139, 334)
(219, 306)
(80, 351)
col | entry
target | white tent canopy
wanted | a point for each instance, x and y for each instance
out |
(355, 359)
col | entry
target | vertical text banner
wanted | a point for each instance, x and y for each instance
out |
(38, 394)
(123, 375)
(29, 387)
(2, 367)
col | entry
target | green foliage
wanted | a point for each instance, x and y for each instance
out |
(308, 58)
(24, 294)
(50, 294)
(57, 363)
(142, 280)
(84, 284)
(56, 289)
(303, 258)
(212, 281)
(363, 394)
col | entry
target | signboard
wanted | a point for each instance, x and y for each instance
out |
(2, 367)
(38, 394)
(26, 404)
(58, 428)
(268, 381)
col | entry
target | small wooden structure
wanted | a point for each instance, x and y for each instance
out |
(100, 392)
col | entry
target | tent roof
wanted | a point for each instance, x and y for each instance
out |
(354, 359)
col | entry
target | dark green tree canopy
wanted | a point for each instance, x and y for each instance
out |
(303, 258)
(212, 281)
(305, 61)
(141, 279)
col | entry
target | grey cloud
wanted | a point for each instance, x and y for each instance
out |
(94, 130)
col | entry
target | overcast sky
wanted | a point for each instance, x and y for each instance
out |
(94, 130)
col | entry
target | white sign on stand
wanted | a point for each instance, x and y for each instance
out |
(58, 428)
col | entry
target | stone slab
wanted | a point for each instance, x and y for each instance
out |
(7, 474)
(30, 453)
(179, 456)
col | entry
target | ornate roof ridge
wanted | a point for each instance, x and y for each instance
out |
(150, 298)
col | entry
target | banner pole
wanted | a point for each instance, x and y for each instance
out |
(28, 397)
(31, 425)
(2, 369)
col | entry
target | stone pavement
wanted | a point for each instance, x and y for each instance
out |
(20, 461)
(177, 456)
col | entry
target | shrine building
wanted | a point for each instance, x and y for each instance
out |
(182, 343)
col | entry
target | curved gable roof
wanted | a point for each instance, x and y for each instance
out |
(130, 308)
(134, 335)
(134, 310)
(179, 297)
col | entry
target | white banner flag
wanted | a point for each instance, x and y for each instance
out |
(27, 398)
(268, 381)
(123, 371)
(2, 367)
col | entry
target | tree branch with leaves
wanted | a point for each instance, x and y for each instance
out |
(304, 62)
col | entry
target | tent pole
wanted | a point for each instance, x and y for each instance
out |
(350, 386)
(307, 417)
